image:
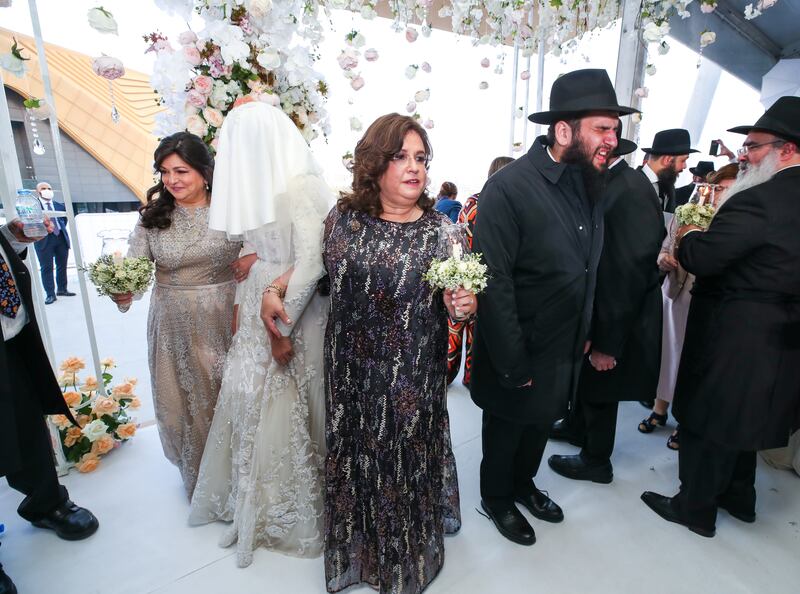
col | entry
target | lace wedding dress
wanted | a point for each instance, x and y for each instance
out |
(262, 466)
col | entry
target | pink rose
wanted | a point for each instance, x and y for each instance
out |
(192, 55)
(426, 67)
(196, 99)
(203, 84)
(108, 67)
(348, 59)
(411, 34)
(213, 116)
(187, 38)
(371, 54)
(525, 75)
(485, 62)
(357, 83)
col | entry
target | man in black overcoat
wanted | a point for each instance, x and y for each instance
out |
(28, 392)
(738, 388)
(626, 327)
(666, 159)
(540, 234)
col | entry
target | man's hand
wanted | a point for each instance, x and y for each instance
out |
(724, 150)
(601, 361)
(16, 228)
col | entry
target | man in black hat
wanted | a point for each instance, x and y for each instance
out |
(737, 389)
(699, 173)
(626, 326)
(540, 233)
(666, 159)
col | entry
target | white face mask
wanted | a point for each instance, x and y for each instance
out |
(47, 194)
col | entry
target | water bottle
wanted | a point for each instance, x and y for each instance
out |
(30, 213)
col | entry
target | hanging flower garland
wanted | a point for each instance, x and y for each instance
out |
(256, 49)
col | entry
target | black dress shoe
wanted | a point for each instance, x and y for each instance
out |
(541, 506)
(65, 294)
(49, 299)
(663, 507)
(562, 431)
(510, 522)
(6, 585)
(578, 468)
(69, 521)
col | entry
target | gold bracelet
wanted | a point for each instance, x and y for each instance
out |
(278, 290)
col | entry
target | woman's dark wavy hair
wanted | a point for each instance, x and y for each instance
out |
(160, 203)
(382, 140)
(448, 190)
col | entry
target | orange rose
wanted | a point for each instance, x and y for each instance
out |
(83, 420)
(134, 403)
(126, 431)
(108, 362)
(61, 421)
(67, 379)
(123, 390)
(104, 406)
(132, 381)
(72, 436)
(72, 399)
(72, 365)
(88, 463)
(103, 445)
(90, 385)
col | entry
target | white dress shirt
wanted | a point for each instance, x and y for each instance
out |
(13, 326)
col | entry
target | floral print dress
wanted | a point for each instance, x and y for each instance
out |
(391, 489)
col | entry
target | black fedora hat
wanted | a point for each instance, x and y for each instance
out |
(674, 141)
(702, 169)
(781, 119)
(624, 147)
(578, 92)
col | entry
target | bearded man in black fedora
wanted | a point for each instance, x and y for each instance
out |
(540, 232)
(738, 388)
(625, 354)
(699, 173)
(666, 159)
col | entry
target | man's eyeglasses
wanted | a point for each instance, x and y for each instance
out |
(746, 148)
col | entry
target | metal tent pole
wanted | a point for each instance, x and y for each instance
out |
(62, 174)
(540, 83)
(513, 122)
(631, 63)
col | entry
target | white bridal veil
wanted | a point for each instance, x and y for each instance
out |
(268, 190)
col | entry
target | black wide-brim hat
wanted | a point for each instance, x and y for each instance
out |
(672, 142)
(624, 147)
(579, 92)
(782, 119)
(702, 169)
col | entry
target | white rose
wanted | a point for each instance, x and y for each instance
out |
(213, 116)
(269, 59)
(423, 95)
(650, 69)
(95, 430)
(12, 64)
(411, 71)
(428, 124)
(368, 13)
(103, 21)
(219, 97)
(707, 38)
(483, 85)
(355, 124)
(411, 107)
(259, 8)
(195, 125)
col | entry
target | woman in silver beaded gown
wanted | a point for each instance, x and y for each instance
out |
(191, 308)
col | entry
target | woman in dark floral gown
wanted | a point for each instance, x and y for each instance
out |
(391, 485)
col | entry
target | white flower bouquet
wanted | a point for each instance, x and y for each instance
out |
(695, 214)
(456, 272)
(113, 274)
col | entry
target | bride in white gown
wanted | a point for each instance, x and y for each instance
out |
(262, 468)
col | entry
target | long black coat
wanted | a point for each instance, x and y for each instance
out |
(14, 430)
(534, 316)
(627, 302)
(739, 377)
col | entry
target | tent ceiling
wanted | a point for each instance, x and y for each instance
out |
(746, 49)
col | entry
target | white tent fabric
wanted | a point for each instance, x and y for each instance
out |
(782, 80)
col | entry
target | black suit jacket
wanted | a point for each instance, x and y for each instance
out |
(627, 304)
(683, 194)
(15, 432)
(739, 377)
(541, 238)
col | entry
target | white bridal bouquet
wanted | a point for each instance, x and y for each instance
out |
(695, 214)
(113, 274)
(456, 268)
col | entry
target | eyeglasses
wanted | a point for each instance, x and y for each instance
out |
(403, 158)
(746, 148)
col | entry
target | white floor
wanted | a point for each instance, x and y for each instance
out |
(610, 542)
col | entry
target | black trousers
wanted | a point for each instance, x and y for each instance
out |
(598, 423)
(56, 249)
(512, 453)
(712, 475)
(36, 478)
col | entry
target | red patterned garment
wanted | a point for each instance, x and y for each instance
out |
(458, 330)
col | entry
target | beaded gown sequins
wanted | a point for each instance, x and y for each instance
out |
(188, 329)
(391, 489)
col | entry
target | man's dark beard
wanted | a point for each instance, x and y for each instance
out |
(667, 177)
(594, 180)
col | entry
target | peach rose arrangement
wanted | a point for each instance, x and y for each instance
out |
(102, 413)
